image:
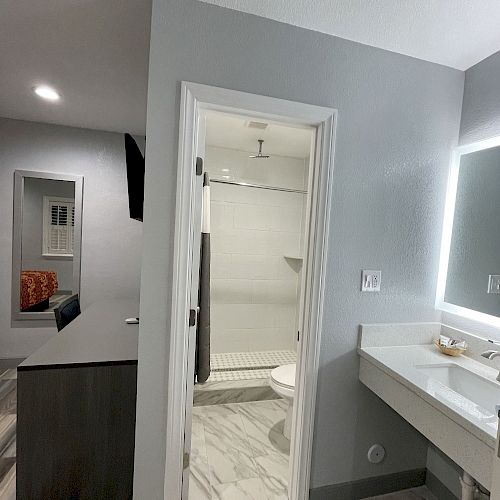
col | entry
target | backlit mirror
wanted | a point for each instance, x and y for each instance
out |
(46, 242)
(469, 281)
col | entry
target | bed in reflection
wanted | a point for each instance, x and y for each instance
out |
(37, 287)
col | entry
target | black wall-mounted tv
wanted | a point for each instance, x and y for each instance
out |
(135, 177)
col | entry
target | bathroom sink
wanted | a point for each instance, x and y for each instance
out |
(481, 391)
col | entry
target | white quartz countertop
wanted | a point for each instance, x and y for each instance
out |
(400, 363)
(98, 335)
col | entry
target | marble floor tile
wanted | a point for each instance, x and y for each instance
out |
(5, 465)
(8, 395)
(239, 452)
(246, 489)
(216, 411)
(198, 443)
(8, 409)
(8, 401)
(228, 451)
(264, 422)
(10, 374)
(199, 480)
(8, 485)
(7, 429)
(273, 469)
(275, 466)
(9, 450)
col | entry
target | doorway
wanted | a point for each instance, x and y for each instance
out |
(270, 215)
(258, 176)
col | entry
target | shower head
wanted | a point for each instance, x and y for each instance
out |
(259, 154)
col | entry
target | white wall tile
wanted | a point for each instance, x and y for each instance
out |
(252, 217)
(286, 218)
(231, 341)
(274, 292)
(253, 339)
(253, 287)
(221, 215)
(227, 316)
(253, 266)
(231, 291)
(220, 266)
(269, 339)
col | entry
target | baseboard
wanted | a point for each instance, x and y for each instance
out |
(438, 488)
(9, 363)
(372, 486)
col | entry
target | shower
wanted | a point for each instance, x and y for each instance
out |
(259, 154)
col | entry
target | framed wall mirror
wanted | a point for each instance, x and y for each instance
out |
(46, 242)
(469, 273)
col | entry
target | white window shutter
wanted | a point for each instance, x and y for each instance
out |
(59, 221)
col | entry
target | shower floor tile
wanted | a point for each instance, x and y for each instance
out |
(224, 376)
(250, 360)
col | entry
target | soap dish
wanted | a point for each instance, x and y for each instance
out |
(450, 351)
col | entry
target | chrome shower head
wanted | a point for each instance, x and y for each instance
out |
(259, 154)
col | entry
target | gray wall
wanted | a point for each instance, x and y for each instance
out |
(32, 229)
(481, 105)
(398, 120)
(111, 242)
(474, 251)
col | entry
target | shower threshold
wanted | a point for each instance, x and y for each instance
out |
(240, 377)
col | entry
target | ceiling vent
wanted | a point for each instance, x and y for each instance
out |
(257, 125)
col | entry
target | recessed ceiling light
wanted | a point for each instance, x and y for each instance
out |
(225, 170)
(46, 92)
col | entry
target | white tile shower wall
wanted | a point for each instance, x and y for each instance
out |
(253, 286)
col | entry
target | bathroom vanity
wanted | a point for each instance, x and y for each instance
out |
(76, 409)
(450, 400)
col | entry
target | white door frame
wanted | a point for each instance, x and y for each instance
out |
(194, 99)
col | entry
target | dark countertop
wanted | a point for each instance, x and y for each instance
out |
(98, 336)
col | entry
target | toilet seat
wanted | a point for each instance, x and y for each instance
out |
(283, 380)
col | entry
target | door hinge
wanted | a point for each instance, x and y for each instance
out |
(185, 461)
(192, 317)
(298, 336)
(199, 165)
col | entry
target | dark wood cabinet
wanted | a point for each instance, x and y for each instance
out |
(76, 425)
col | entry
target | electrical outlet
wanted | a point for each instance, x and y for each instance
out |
(494, 283)
(370, 281)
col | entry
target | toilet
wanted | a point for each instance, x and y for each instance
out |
(283, 383)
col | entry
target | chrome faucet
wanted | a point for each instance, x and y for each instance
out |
(492, 355)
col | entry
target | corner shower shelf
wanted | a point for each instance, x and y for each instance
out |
(293, 257)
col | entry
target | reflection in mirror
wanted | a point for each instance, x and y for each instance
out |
(472, 286)
(46, 253)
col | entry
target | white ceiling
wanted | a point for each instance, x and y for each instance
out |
(232, 132)
(94, 52)
(456, 33)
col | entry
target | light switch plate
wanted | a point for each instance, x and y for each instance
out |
(494, 283)
(370, 280)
